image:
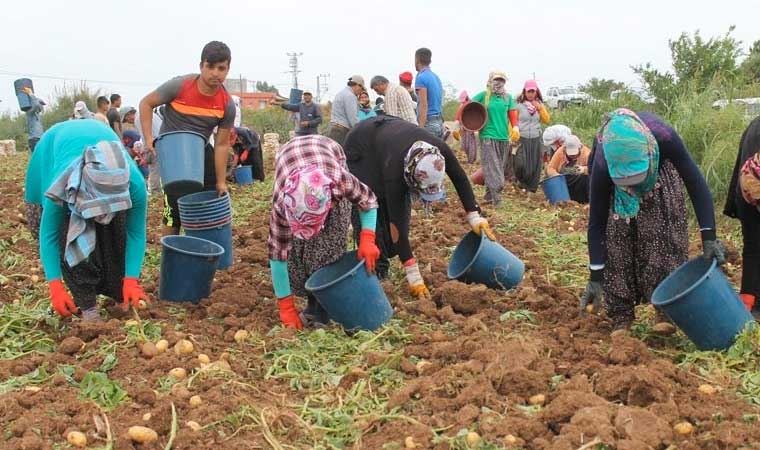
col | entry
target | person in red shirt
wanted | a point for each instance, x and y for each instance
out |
(198, 103)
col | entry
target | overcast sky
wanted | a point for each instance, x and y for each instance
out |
(131, 46)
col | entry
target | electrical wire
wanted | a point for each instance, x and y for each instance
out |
(54, 77)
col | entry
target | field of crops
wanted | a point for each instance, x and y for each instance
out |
(472, 368)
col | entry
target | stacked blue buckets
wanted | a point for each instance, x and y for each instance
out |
(208, 216)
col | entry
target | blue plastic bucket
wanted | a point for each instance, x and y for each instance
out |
(295, 96)
(181, 161)
(207, 212)
(202, 200)
(478, 259)
(244, 175)
(188, 265)
(699, 299)
(221, 235)
(555, 189)
(352, 297)
(202, 225)
(24, 101)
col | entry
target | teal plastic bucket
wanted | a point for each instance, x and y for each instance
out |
(24, 101)
(221, 235)
(477, 259)
(181, 161)
(555, 189)
(244, 175)
(295, 96)
(352, 297)
(698, 298)
(202, 200)
(188, 265)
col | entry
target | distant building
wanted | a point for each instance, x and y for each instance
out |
(256, 100)
(236, 85)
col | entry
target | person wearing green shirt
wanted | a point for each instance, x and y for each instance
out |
(93, 224)
(500, 128)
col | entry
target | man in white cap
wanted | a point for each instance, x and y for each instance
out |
(81, 111)
(398, 160)
(571, 160)
(345, 109)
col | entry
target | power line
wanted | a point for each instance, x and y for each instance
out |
(60, 78)
(293, 64)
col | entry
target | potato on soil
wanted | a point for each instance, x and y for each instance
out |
(193, 425)
(196, 401)
(537, 400)
(472, 439)
(77, 439)
(241, 336)
(178, 373)
(707, 389)
(409, 442)
(149, 350)
(142, 435)
(683, 428)
(510, 439)
(162, 345)
(204, 359)
(183, 347)
(71, 345)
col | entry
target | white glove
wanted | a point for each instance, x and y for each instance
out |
(413, 275)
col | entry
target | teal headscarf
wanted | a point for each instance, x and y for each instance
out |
(630, 149)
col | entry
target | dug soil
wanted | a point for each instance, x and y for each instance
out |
(553, 379)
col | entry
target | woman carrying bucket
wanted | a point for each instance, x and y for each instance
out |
(743, 203)
(311, 213)
(571, 160)
(637, 233)
(527, 159)
(463, 135)
(92, 231)
(500, 128)
(396, 158)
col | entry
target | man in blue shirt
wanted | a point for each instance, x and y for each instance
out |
(430, 94)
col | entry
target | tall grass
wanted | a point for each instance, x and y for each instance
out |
(711, 135)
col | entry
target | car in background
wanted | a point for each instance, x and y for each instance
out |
(641, 94)
(557, 97)
(751, 106)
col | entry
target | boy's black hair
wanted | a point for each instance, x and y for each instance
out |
(216, 52)
(102, 100)
(424, 56)
(115, 97)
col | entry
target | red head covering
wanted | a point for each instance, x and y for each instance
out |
(405, 77)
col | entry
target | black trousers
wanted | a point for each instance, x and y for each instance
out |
(102, 272)
(383, 238)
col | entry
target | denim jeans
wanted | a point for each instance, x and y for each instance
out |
(434, 125)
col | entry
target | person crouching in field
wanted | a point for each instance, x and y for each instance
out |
(396, 159)
(743, 203)
(92, 230)
(308, 228)
(638, 225)
(571, 160)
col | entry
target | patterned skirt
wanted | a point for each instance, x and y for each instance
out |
(644, 250)
(306, 257)
(470, 146)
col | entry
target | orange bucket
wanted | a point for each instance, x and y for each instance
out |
(474, 116)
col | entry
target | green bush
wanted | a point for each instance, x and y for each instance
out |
(13, 126)
(269, 120)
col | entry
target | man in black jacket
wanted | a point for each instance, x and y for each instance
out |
(309, 115)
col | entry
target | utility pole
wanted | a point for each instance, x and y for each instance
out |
(293, 64)
(322, 85)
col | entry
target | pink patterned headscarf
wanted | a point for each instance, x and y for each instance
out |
(307, 198)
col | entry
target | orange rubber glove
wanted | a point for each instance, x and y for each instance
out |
(289, 313)
(60, 299)
(132, 293)
(748, 300)
(368, 250)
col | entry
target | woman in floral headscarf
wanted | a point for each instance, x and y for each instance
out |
(637, 232)
(308, 228)
(500, 129)
(743, 203)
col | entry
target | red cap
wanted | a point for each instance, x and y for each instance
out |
(406, 77)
